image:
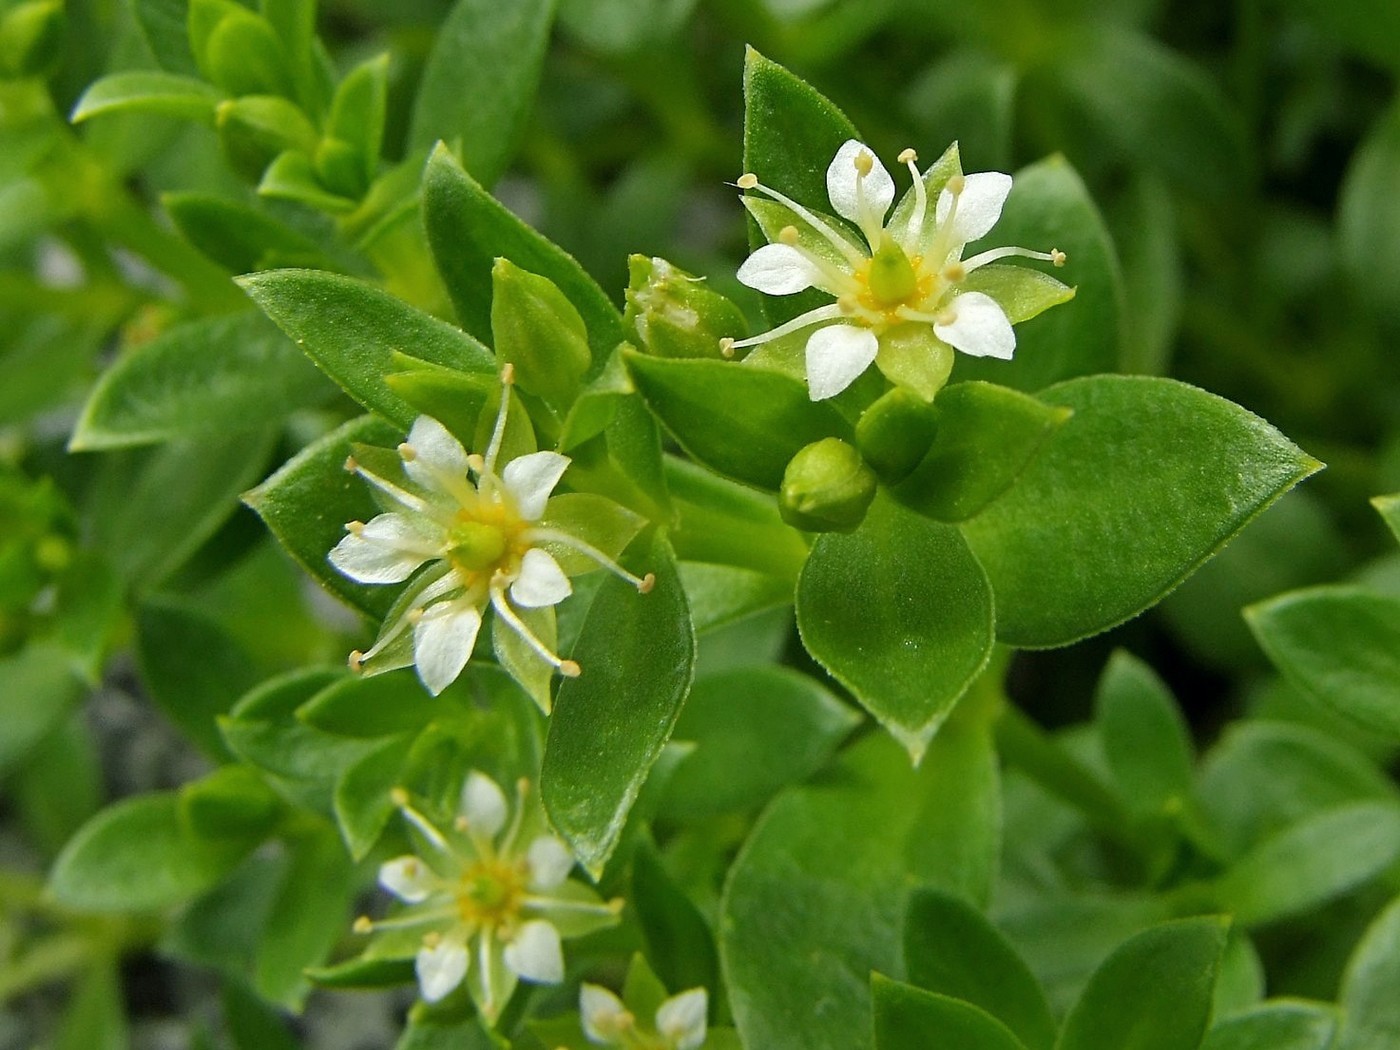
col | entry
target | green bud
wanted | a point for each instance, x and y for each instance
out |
(673, 314)
(895, 433)
(826, 488)
(912, 356)
(31, 38)
(238, 50)
(537, 329)
(354, 132)
(256, 129)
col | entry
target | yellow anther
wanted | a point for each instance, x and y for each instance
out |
(747, 181)
(848, 304)
(788, 235)
(648, 582)
(507, 373)
(864, 163)
(460, 823)
(363, 924)
(1057, 257)
(398, 796)
(947, 317)
(956, 184)
(726, 347)
(356, 661)
(476, 462)
(407, 452)
(570, 669)
(432, 940)
(354, 527)
(414, 615)
(616, 905)
(908, 156)
(955, 272)
(351, 464)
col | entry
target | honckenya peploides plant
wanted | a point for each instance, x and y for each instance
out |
(902, 288)
(487, 899)
(482, 535)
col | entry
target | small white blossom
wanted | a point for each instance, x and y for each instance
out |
(489, 901)
(905, 271)
(679, 1024)
(479, 533)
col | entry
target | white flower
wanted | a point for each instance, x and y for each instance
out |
(488, 901)
(679, 1023)
(901, 272)
(478, 531)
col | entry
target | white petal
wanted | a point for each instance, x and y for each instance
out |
(436, 452)
(386, 550)
(979, 205)
(440, 969)
(443, 641)
(681, 1019)
(530, 479)
(541, 582)
(484, 804)
(535, 954)
(778, 269)
(601, 1013)
(843, 177)
(550, 862)
(979, 328)
(407, 878)
(836, 355)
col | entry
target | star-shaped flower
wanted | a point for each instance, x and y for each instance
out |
(901, 284)
(487, 901)
(481, 536)
(679, 1022)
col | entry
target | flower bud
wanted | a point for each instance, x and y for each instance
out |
(826, 488)
(31, 38)
(256, 129)
(673, 314)
(238, 50)
(895, 433)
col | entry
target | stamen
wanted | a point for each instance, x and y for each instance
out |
(726, 347)
(908, 156)
(943, 235)
(364, 924)
(356, 661)
(432, 940)
(916, 219)
(845, 247)
(499, 432)
(642, 583)
(955, 272)
(407, 452)
(568, 668)
(517, 817)
(394, 492)
(354, 527)
(864, 163)
(351, 464)
(747, 181)
(956, 184)
(811, 317)
(476, 462)
(425, 827)
(531, 900)
(1054, 255)
(788, 235)
(867, 220)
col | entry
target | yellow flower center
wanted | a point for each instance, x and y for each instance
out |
(490, 893)
(486, 539)
(892, 279)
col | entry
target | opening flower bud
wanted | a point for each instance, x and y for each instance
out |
(826, 488)
(673, 314)
(895, 433)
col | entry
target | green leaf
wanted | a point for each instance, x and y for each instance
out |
(252, 1023)
(138, 855)
(1370, 27)
(239, 237)
(1146, 481)
(1368, 230)
(363, 973)
(1145, 738)
(40, 689)
(308, 501)
(348, 154)
(815, 899)
(1280, 1025)
(906, 1018)
(291, 176)
(677, 935)
(986, 437)
(372, 707)
(363, 800)
(164, 24)
(610, 723)
(147, 91)
(745, 423)
(59, 784)
(900, 613)
(1389, 508)
(1262, 777)
(351, 330)
(756, 730)
(1370, 1008)
(480, 81)
(307, 916)
(468, 230)
(1310, 863)
(1153, 993)
(219, 375)
(1049, 207)
(951, 949)
(537, 329)
(1341, 646)
(791, 132)
(95, 1013)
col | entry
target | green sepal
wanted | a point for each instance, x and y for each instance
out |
(293, 177)
(349, 153)
(910, 355)
(537, 329)
(673, 314)
(363, 972)
(906, 1018)
(1389, 508)
(257, 129)
(1021, 292)
(743, 422)
(986, 436)
(456, 399)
